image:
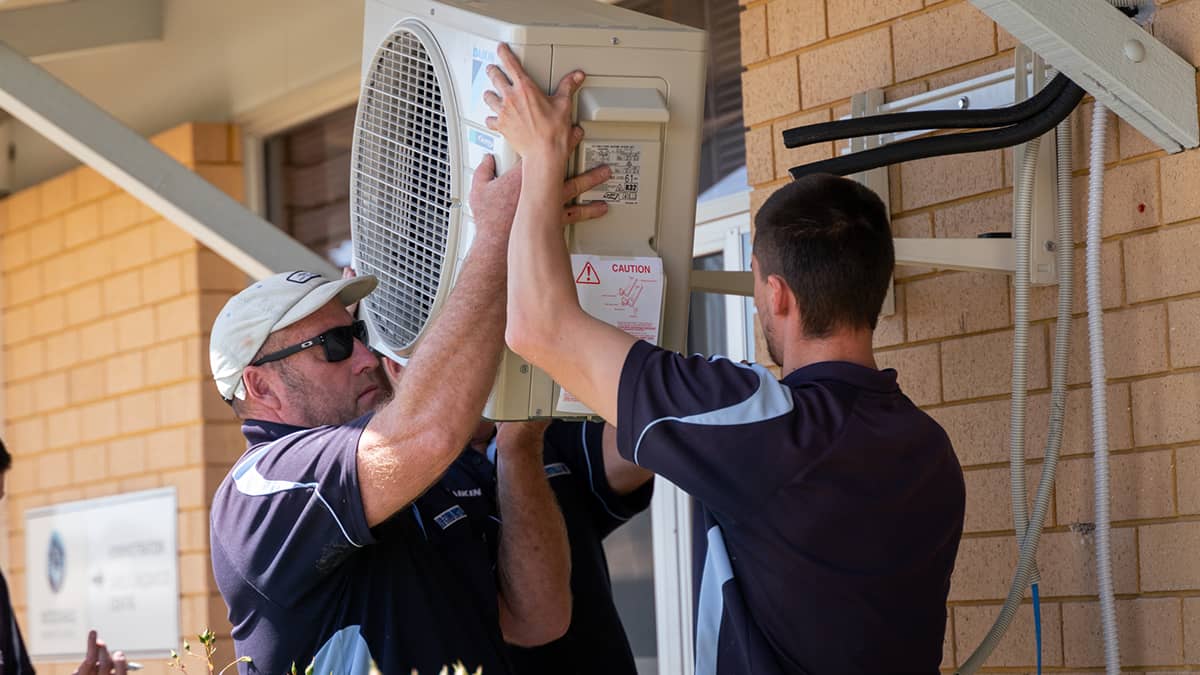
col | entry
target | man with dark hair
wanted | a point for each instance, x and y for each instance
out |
(828, 240)
(832, 506)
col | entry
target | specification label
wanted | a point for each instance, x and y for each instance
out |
(625, 160)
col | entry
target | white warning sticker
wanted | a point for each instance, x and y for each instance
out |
(622, 292)
(625, 160)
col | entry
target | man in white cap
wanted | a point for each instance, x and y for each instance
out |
(334, 543)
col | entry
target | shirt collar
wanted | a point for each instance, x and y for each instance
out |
(262, 431)
(844, 371)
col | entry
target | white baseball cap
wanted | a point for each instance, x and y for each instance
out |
(266, 306)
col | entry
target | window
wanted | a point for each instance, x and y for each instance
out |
(717, 323)
(724, 146)
(308, 183)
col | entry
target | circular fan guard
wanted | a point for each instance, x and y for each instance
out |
(404, 187)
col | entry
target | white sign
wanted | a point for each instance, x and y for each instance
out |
(111, 564)
(622, 292)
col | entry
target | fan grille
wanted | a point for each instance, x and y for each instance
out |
(400, 187)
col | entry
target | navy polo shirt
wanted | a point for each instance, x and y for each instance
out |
(832, 510)
(595, 643)
(307, 582)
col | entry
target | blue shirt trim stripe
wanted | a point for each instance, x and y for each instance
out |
(772, 399)
(717, 570)
(344, 653)
(249, 481)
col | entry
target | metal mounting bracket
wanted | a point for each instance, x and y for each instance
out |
(990, 255)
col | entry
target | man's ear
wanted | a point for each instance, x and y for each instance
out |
(393, 369)
(262, 387)
(780, 300)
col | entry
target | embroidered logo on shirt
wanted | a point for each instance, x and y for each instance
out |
(450, 516)
(471, 492)
(557, 469)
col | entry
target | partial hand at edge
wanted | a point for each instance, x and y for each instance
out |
(97, 661)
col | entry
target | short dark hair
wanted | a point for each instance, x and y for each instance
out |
(5, 458)
(829, 238)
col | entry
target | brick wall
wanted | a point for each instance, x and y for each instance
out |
(106, 311)
(952, 334)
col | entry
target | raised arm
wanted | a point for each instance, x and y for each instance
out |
(546, 325)
(534, 557)
(413, 439)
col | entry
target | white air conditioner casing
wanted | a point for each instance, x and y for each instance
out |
(412, 167)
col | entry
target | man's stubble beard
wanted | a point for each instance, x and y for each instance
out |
(318, 411)
(386, 388)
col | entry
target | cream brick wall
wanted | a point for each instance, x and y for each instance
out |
(106, 311)
(951, 338)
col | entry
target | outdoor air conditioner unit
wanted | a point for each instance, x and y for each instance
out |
(420, 133)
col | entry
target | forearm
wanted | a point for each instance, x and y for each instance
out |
(540, 290)
(413, 439)
(534, 555)
(465, 339)
(546, 325)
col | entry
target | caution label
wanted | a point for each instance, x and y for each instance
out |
(622, 292)
(625, 160)
(588, 275)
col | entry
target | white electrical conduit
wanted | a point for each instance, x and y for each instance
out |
(1108, 615)
(1033, 530)
(1029, 530)
(1095, 309)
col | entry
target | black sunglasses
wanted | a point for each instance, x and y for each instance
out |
(338, 343)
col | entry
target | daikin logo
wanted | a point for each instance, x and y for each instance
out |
(56, 562)
(480, 58)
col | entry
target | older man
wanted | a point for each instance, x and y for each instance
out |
(334, 543)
